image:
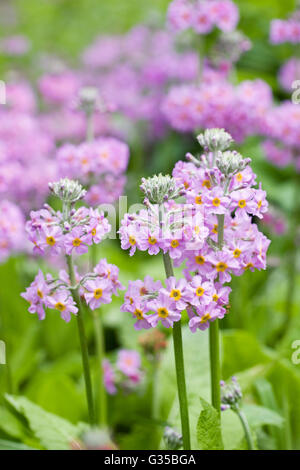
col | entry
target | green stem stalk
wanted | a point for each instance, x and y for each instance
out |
(246, 428)
(83, 343)
(90, 126)
(214, 340)
(215, 369)
(179, 365)
(101, 392)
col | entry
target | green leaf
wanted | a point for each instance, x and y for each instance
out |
(11, 445)
(54, 433)
(209, 432)
(260, 416)
(197, 371)
(10, 424)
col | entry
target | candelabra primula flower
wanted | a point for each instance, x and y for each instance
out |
(103, 161)
(220, 187)
(67, 232)
(97, 292)
(12, 224)
(50, 232)
(124, 374)
(203, 15)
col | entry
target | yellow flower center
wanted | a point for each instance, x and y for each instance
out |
(104, 154)
(162, 312)
(200, 259)
(239, 177)
(50, 241)
(215, 298)
(242, 203)
(197, 229)
(132, 240)
(206, 184)
(205, 318)
(40, 293)
(175, 294)
(198, 200)
(174, 243)
(98, 293)
(216, 202)
(200, 291)
(152, 240)
(93, 232)
(215, 229)
(143, 291)
(60, 306)
(76, 242)
(186, 185)
(221, 267)
(139, 314)
(259, 204)
(248, 266)
(237, 253)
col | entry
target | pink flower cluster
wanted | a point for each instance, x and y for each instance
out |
(282, 129)
(219, 186)
(240, 110)
(275, 222)
(149, 302)
(16, 45)
(183, 226)
(25, 154)
(285, 31)
(288, 73)
(100, 165)
(203, 15)
(125, 373)
(12, 224)
(50, 233)
(96, 289)
(147, 61)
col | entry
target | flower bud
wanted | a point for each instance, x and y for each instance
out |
(172, 439)
(231, 162)
(159, 189)
(231, 394)
(215, 140)
(67, 190)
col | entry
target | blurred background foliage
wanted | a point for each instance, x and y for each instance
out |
(45, 360)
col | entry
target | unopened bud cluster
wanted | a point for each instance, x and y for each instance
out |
(231, 394)
(215, 140)
(159, 188)
(231, 162)
(172, 439)
(67, 190)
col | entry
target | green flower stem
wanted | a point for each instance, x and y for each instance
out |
(90, 126)
(179, 365)
(215, 369)
(100, 392)
(246, 428)
(214, 340)
(83, 343)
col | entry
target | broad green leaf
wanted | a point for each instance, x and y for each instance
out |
(209, 432)
(59, 395)
(54, 433)
(11, 445)
(10, 424)
(259, 416)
